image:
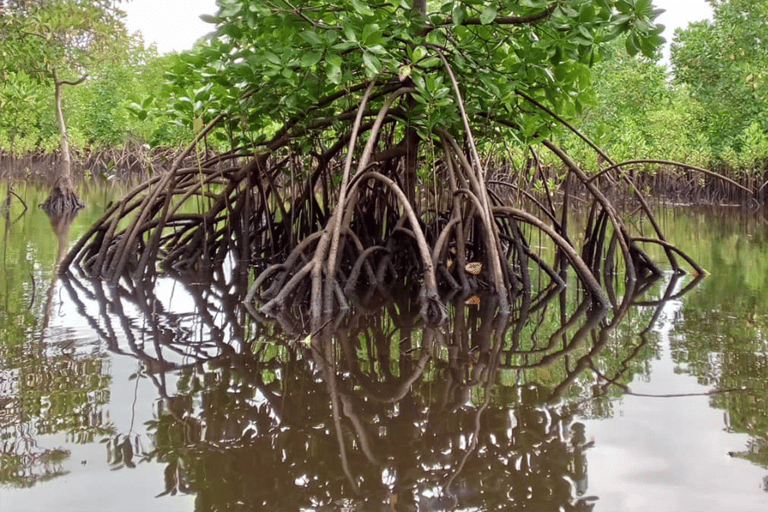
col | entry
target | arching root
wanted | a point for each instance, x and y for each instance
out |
(315, 242)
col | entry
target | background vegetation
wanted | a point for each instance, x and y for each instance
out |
(707, 107)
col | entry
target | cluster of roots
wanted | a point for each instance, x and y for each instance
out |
(62, 201)
(340, 229)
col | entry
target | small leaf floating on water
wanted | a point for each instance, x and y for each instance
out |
(392, 500)
(473, 301)
(474, 268)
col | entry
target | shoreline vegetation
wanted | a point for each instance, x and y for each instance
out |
(664, 183)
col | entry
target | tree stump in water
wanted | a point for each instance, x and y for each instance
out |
(62, 200)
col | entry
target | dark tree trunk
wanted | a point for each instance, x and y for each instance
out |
(412, 140)
(62, 200)
(411, 163)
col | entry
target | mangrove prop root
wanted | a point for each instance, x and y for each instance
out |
(317, 230)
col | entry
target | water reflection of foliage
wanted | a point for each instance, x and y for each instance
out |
(48, 382)
(724, 343)
(32, 465)
(375, 412)
(738, 260)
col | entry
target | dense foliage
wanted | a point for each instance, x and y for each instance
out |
(638, 112)
(712, 115)
(51, 42)
(271, 64)
(102, 113)
(65, 35)
(72, 39)
(723, 62)
(57, 42)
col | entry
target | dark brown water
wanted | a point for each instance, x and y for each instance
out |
(167, 396)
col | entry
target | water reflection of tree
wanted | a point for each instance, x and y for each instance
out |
(374, 412)
(721, 337)
(47, 385)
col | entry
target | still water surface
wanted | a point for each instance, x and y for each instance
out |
(167, 396)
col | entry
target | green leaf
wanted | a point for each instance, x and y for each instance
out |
(488, 15)
(416, 54)
(333, 59)
(624, 7)
(533, 4)
(647, 47)
(372, 64)
(361, 8)
(458, 15)
(632, 44)
(587, 13)
(371, 35)
(350, 30)
(310, 58)
(311, 37)
(209, 18)
(584, 32)
(273, 58)
(431, 62)
(561, 71)
(377, 49)
(333, 68)
(643, 7)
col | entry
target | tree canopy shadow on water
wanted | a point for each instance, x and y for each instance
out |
(375, 411)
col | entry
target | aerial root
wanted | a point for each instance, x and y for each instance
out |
(314, 243)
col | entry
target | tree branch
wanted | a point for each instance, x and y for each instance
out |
(71, 82)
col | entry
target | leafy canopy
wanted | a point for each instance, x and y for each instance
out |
(47, 40)
(305, 63)
(724, 63)
(40, 36)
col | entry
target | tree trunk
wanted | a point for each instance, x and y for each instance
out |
(412, 139)
(62, 199)
(411, 162)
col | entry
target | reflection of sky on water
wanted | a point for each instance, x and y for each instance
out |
(91, 485)
(670, 454)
